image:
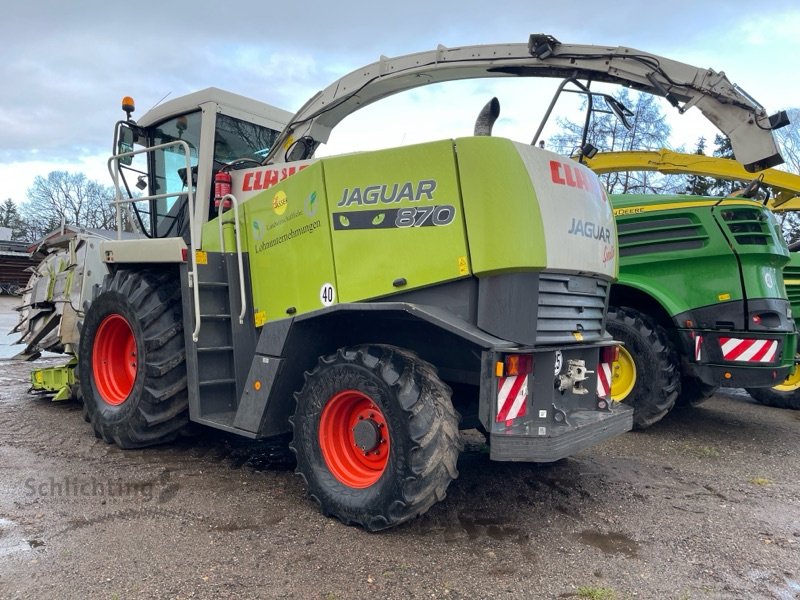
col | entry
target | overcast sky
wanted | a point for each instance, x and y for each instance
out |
(64, 66)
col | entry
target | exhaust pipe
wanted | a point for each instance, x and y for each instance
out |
(487, 117)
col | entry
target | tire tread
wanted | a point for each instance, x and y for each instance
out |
(161, 411)
(432, 428)
(658, 385)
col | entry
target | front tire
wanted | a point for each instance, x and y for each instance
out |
(132, 363)
(646, 377)
(375, 435)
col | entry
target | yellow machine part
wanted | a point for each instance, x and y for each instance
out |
(785, 185)
(623, 375)
(59, 381)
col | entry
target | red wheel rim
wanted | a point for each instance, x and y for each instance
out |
(114, 359)
(353, 465)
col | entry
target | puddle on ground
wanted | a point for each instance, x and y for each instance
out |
(610, 543)
(10, 540)
(790, 591)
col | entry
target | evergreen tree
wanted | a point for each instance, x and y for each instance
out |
(10, 217)
(697, 185)
(723, 149)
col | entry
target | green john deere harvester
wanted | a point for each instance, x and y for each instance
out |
(700, 294)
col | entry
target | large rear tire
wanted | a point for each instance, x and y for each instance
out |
(646, 376)
(375, 435)
(132, 363)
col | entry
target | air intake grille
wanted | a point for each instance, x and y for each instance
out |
(791, 277)
(749, 226)
(570, 304)
(669, 234)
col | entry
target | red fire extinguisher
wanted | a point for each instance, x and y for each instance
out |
(222, 187)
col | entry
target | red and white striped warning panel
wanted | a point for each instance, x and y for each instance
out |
(603, 379)
(512, 396)
(748, 350)
(698, 347)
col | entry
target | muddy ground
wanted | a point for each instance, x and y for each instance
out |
(704, 505)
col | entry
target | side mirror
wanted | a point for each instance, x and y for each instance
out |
(125, 144)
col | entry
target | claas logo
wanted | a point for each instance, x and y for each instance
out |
(574, 176)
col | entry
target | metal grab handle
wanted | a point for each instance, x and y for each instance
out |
(113, 168)
(237, 237)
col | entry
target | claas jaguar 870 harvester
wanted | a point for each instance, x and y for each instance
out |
(367, 305)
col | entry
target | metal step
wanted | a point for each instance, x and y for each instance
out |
(218, 363)
(224, 421)
(215, 348)
(210, 382)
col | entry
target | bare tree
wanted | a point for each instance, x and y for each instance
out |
(648, 130)
(68, 198)
(789, 141)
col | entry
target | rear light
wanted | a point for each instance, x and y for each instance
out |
(518, 364)
(767, 319)
(609, 354)
(184, 254)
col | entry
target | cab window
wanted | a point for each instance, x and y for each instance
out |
(240, 140)
(168, 173)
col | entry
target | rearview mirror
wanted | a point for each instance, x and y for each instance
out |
(621, 111)
(125, 144)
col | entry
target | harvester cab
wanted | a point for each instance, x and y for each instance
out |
(167, 161)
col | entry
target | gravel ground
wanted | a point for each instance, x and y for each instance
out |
(704, 505)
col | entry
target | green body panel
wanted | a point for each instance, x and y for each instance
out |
(396, 215)
(363, 226)
(791, 278)
(493, 175)
(287, 234)
(755, 236)
(682, 250)
(209, 235)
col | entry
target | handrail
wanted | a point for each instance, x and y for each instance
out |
(237, 237)
(113, 168)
